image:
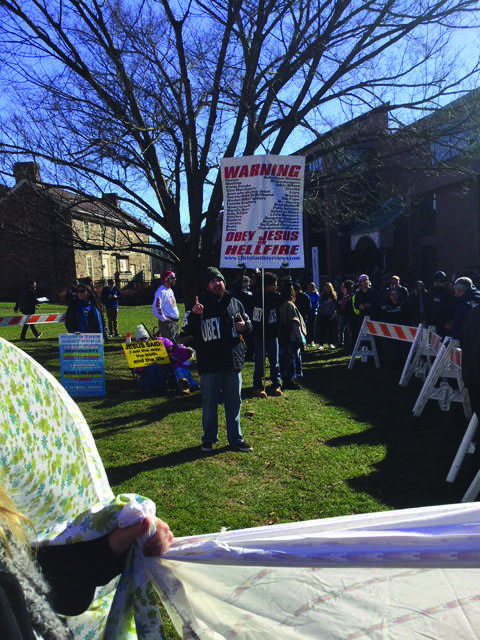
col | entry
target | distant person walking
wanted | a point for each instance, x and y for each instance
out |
(27, 303)
(164, 306)
(110, 295)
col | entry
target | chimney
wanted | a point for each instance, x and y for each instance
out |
(26, 171)
(111, 199)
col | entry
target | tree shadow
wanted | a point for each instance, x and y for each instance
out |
(418, 451)
(122, 473)
(155, 412)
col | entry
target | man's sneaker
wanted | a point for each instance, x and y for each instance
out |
(39, 335)
(277, 392)
(207, 447)
(259, 393)
(241, 446)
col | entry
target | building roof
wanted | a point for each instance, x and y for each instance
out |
(83, 206)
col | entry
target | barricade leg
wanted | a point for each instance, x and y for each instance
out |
(433, 376)
(357, 344)
(473, 490)
(364, 352)
(413, 357)
(463, 449)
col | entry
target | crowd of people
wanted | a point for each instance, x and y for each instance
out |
(265, 317)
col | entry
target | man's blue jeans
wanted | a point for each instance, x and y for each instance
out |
(230, 382)
(271, 351)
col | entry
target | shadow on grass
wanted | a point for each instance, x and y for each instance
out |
(419, 451)
(155, 412)
(122, 473)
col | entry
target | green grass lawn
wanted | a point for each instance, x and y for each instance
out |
(345, 443)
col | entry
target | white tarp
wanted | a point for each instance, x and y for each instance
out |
(410, 574)
(399, 574)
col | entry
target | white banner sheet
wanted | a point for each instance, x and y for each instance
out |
(412, 573)
(263, 206)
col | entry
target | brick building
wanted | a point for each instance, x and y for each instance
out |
(53, 236)
(404, 200)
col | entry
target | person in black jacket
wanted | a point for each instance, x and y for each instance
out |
(32, 593)
(218, 323)
(27, 303)
(265, 323)
(471, 360)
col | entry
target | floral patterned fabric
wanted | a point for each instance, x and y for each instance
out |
(50, 467)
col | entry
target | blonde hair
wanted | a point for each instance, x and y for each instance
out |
(12, 522)
(331, 291)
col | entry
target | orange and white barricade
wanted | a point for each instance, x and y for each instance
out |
(36, 318)
(421, 355)
(447, 365)
(365, 344)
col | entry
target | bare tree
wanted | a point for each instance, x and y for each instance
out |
(145, 98)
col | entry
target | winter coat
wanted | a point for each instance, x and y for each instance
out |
(218, 346)
(28, 604)
(461, 308)
(272, 302)
(83, 318)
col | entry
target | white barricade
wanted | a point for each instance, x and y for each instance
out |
(365, 344)
(421, 355)
(473, 490)
(447, 364)
(39, 318)
(463, 449)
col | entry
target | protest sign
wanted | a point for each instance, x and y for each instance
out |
(263, 205)
(82, 366)
(143, 353)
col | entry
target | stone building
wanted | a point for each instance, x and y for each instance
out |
(54, 236)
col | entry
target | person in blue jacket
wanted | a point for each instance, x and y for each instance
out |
(84, 313)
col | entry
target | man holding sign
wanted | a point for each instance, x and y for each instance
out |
(218, 323)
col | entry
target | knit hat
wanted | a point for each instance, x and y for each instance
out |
(141, 333)
(211, 273)
(439, 276)
(166, 274)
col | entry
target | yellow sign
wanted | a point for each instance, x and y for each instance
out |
(141, 354)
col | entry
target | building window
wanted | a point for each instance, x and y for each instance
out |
(89, 266)
(86, 230)
(123, 265)
(113, 234)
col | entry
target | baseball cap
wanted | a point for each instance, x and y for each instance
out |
(167, 274)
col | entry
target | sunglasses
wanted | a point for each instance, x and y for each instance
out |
(81, 290)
